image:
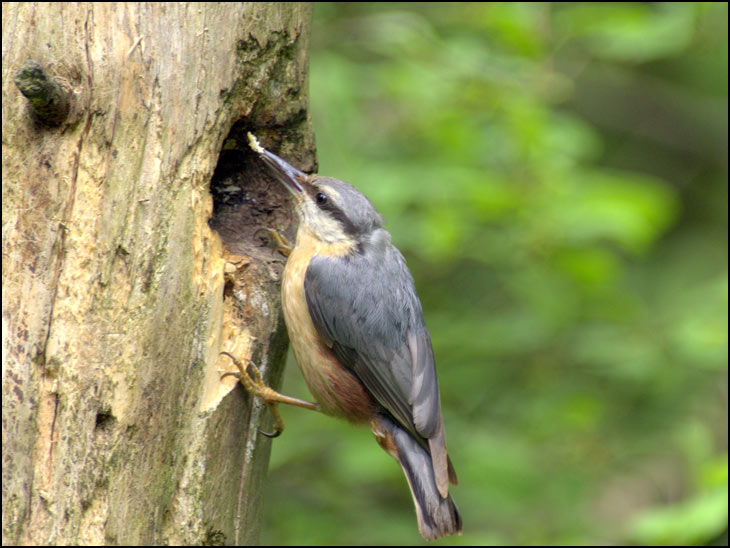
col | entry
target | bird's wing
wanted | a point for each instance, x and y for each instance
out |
(368, 308)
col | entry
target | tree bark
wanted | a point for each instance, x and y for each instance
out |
(117, 295)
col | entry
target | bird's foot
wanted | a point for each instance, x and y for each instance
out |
(254, 383)
(283, 245)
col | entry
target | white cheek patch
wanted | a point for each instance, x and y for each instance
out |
(323, 225)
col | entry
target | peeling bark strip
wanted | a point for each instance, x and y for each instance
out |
(47, 98)
(117, 297)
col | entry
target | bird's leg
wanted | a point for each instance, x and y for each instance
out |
(283, 245)
(255, 385)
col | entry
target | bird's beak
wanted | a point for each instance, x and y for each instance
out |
(285, 173)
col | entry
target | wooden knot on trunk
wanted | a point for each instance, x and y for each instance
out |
(47, 98)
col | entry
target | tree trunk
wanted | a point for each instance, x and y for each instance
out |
(117, 295)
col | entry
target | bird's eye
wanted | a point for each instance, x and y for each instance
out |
(321, 198)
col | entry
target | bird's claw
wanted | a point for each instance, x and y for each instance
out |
(271, 435)
(283, 245)
(254, 385)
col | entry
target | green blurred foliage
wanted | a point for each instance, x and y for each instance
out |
(556, 175)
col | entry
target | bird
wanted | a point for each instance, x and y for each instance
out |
(357, 330)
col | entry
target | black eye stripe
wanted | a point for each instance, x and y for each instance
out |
(329, 206)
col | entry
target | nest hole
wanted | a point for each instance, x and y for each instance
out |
(245, 197)
(104, 420)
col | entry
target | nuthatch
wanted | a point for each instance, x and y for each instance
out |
(357, 330)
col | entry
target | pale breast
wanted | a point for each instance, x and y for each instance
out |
(335, 389)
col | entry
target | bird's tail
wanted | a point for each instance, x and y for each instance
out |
(437, 516)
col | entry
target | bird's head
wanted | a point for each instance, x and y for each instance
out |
(334, 211)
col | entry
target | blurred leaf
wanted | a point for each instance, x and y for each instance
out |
(695, 522)
(631, 31)
(627, 209)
